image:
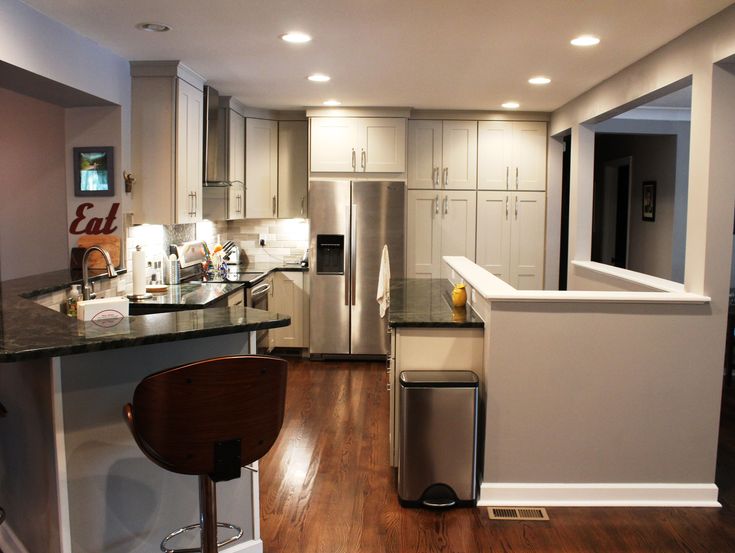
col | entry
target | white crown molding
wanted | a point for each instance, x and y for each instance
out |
(657, 113)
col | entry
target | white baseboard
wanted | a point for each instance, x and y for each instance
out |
(9, 542)
(250, 546)
(598, 495)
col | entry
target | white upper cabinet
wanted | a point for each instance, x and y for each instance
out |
(167, 141)
(459, 155)
(424, 153)
(292, 169)
(512, 155)
(236, 166)
(261, 168)
(358, 144)
(442, 154)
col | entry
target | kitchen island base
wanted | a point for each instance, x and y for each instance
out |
(74, 481)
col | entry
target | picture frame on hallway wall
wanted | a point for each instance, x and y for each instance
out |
(94, 171)
(648, 200)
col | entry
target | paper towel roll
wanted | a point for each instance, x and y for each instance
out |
(138, 271)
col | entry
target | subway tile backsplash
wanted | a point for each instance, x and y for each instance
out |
(285, 239)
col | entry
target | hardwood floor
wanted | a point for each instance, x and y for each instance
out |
(326, 487)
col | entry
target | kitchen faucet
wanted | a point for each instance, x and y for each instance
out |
(86, 288)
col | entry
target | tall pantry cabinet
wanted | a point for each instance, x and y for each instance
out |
(441, 201)
(511, 201)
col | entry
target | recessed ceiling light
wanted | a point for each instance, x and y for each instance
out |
(332, 103)
(153, 27)
(319, 78)
(511, 105)
(585, 40)
(539, 80)
(296, 37)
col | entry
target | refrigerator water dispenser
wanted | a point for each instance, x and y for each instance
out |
(330, 254)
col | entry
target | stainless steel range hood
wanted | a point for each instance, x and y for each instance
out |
(215, 140)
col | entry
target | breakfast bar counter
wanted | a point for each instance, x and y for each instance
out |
(72, 479)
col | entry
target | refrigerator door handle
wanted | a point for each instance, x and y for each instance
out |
(347, 252)
(353, 252)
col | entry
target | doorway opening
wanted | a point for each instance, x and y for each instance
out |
(564, 235)
(614, 227)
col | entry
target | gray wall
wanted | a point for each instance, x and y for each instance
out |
(33, 191)
(654, 159)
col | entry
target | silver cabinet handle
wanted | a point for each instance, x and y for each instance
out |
(274, 206)
(446, 177)
(195, 204)
(507, 172)
(192, 203)
(239, 203)
(435, 177)
(506, 208)
(446, 205)
(363, 159)
(302, 206)
(353, 159)
(516, 208)
(436, 205)
(516, 178)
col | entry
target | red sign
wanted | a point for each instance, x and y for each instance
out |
(95, 225)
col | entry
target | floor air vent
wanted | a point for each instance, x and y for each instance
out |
(517, 513)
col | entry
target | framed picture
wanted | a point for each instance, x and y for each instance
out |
(94, 171)
(648, 200)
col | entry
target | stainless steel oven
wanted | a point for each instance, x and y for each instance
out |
(257, 298)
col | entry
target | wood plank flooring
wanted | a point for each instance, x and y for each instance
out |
(326, 487)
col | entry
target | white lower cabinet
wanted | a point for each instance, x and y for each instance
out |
(288, 297)
(510, 236)
(429, 349)
(439, 223)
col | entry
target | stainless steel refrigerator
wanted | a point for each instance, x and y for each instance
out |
(350, 223)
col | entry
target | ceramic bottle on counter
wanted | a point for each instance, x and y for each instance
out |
(459, 295)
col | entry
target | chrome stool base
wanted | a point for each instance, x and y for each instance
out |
(191, 527)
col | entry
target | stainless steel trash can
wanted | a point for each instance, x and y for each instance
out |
(437, 461)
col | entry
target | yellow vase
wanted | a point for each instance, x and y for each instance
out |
(459, 295)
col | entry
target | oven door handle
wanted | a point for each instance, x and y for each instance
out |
(260, 290)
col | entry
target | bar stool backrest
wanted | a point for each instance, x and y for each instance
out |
(210, 417)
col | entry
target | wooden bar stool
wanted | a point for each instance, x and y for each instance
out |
(209, 419)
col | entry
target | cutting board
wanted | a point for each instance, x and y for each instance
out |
(107, 242)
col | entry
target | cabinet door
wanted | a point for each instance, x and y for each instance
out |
(458, 211)
(459, 155)
(333, 144)
(292, 169)
(493, 233)
(529, 156)
(423, 240)
(494, 149)
(424, 153)
(288, 290)
(189, 143)
(382, 145)
(527, 240)
(236, 202)
(236, 154)
(261, 168)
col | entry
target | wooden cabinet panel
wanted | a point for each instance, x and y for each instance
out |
(493, 233)
(423, 248)
(424, 154)
(458, 226)
(332, 145)
(511, 155)
(189, 140)
(459, 155)
(288, 298)
(494, 147)
(292, 169)
(382, 145)
(527, 240)
(261, 168)
(529, 155)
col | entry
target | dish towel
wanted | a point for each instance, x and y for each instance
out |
(383, 296)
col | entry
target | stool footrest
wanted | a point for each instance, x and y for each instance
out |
(191, 527)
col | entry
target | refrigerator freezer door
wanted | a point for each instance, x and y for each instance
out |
(329, 211)
(378, 219)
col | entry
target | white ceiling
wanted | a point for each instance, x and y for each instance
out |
(461, 54)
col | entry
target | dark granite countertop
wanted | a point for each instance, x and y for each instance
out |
(29, 330)
(188, 295)
(418, 302)
(250, 274)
